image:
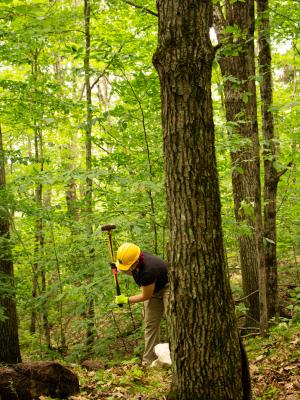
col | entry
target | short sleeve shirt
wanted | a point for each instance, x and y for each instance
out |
(151, 269)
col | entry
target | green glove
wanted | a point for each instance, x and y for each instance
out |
(121, 299)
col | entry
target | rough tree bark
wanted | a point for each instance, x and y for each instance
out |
(237, 62)
(9, 339)
(205, 349)
(271, 176)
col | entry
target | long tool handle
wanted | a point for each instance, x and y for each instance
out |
(114, 269)
(118, 289)
(111, 246)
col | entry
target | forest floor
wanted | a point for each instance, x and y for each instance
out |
(274, 365)
(274, 361)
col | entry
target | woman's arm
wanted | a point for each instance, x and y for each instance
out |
(147, 292)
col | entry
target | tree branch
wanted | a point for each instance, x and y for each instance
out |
(246, 297)
(107, 66)
(146, 10)
(283, 171)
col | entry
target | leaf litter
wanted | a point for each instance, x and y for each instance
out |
(276, 373)
(274, 368)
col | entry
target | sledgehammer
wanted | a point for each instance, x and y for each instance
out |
(109, 229)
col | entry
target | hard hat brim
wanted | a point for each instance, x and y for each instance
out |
(123, 267)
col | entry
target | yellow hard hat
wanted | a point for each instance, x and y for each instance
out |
(127, 254)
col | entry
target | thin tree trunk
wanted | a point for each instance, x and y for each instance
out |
(47, 330)
(34, 287)
(71, 199)
(39, 237)
(205, 348)
(9, 339)
(38, 271)
(38, 222)
(88, 147)
(271, 178)
(34, 291)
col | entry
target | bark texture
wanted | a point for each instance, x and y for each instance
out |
(205, 349)
(9, 339)
(237, 62)
(271, 176)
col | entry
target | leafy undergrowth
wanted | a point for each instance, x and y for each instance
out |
(274, 365)
(130, 381)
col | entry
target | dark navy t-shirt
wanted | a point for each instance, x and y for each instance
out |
(151, 269)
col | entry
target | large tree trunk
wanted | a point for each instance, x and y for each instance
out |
(9, 339)
(238, 70)
(271, 177)
(207, 361)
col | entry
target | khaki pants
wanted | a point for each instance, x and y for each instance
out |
(154, 309)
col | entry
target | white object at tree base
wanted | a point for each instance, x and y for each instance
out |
(162, 350)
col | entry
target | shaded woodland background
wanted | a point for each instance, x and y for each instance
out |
(81, 144)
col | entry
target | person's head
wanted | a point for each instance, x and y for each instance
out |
(127, 256)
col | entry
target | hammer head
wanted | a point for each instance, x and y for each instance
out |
(108, 227)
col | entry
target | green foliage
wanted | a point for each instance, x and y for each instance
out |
(270, 393)
(43, 120)
(128, 381)
(284, 24)
(294, 307)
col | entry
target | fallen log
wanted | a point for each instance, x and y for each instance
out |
(29, 381)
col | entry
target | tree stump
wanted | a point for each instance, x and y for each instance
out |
(28, 381)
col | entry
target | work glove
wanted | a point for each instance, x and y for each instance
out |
(121, 299)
